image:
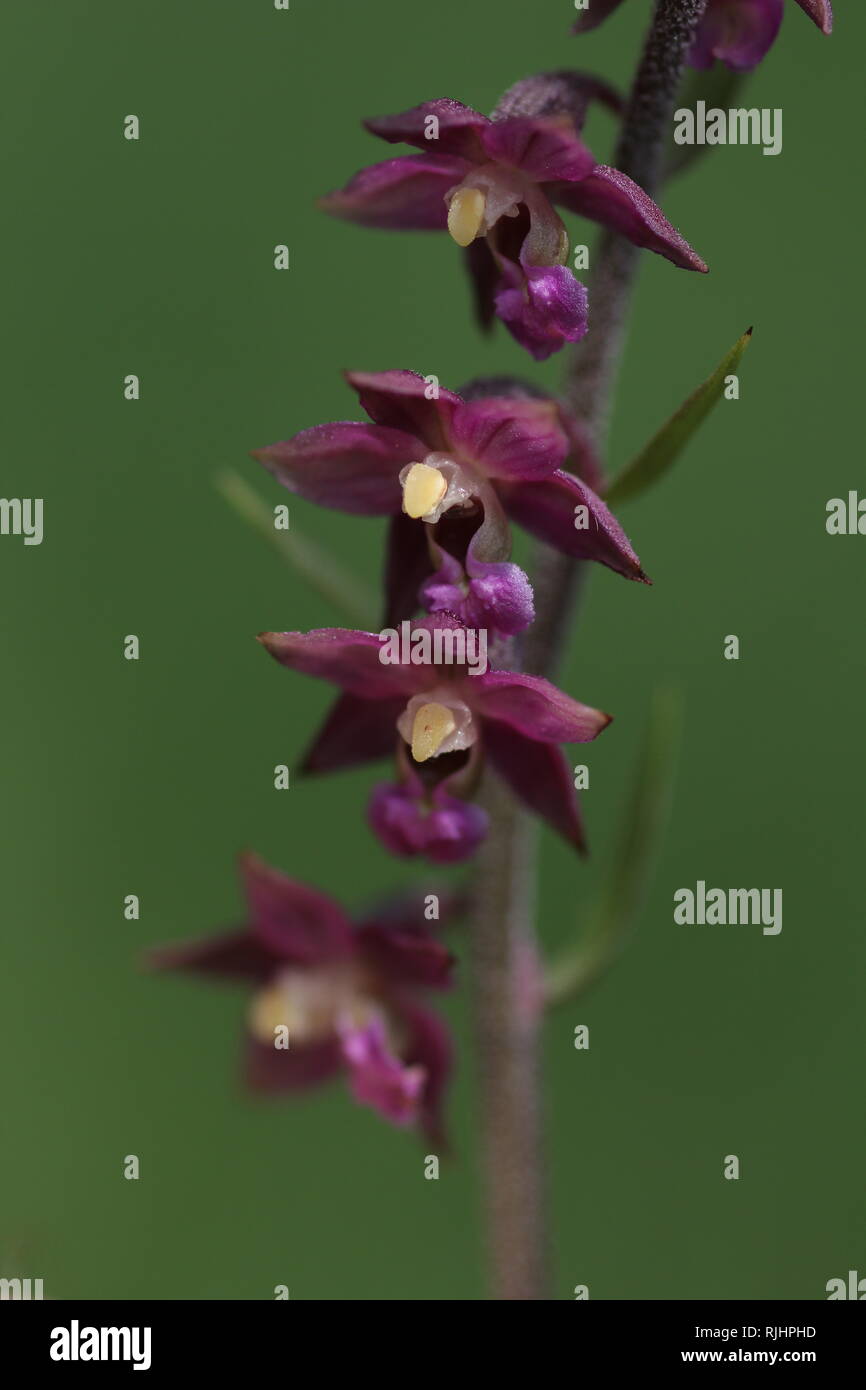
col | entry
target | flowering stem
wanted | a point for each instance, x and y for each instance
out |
(507, 1024)
(591, 380)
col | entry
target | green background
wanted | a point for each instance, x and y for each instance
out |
(119, 777)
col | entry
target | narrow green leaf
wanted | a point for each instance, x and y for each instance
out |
(624, 892)
(668, 443)
(315, 565)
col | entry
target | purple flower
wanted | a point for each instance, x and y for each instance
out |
(417, 687)
(738, 33)
(330, 997)
(460, 467)
(492, 184)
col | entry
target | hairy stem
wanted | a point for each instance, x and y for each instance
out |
(504, 949)
(506, 994)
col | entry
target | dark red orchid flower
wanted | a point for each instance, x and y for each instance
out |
(492, 184)
(430, 456)
(417, 685)
(329, 996)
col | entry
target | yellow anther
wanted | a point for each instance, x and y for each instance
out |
(430, 728)
(423, 488)
(466, 214)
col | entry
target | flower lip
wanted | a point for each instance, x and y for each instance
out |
(378, 1077)
(411, 820)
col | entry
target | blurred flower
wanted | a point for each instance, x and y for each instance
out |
(342, 997)
(518, 721)
(460, 466)
(738, 33)
(492, 183)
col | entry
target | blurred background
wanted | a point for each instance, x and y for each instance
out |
(147, 777)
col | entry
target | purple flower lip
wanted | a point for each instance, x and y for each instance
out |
(409, 821)
(330, 996)
(492, 184)
(485, 596)
(377, 1078)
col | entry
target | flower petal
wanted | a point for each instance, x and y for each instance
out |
(609, 197)
(407, 565)
(404, 194)
(428, 1046)
(540, 776)
(379, 1079)
(547, 150)
(583, 458)
(548, 509)
(292, 919)
(233, 955)
(405, 911)
(355, 731)
(271, 1069)
(511, 438)
(564, 92)
(739, 35)
(351, 466)
(534, 707)
(483, 275)
(346, 657)
(407, 401)
(820, 12)
(458, 128)
(406, 955)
